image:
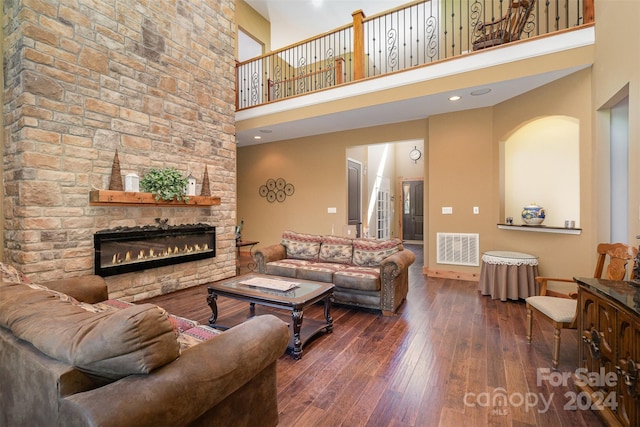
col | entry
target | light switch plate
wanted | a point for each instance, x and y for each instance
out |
(447, 210)
(331, 210)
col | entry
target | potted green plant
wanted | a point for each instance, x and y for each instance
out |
(165, 184)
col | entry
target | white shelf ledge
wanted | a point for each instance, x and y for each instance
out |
(540, 229)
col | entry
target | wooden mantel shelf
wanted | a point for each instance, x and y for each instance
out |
(129, 198)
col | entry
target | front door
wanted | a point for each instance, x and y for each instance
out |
(413, 210)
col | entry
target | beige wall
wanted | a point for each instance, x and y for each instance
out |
(553, 141)
(253, 24)
(462, 170)
(317, 168)
(616, 73)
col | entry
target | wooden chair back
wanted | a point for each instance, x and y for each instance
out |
(519, 12)
(619, 255)
(506, 29)
(616, 256)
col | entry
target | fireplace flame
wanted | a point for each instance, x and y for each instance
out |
(154, 253)
(128, 249)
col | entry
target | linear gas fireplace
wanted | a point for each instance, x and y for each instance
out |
(126, 249)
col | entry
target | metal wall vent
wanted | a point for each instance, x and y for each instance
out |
(458, 249)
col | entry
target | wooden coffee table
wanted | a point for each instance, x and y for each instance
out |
(269, 291)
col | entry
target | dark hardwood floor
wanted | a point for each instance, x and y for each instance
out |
(451, 357)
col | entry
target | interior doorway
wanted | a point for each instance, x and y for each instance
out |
(354, 195)
(413, 210)
(375, 173)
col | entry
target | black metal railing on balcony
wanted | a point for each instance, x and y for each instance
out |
(416, 34)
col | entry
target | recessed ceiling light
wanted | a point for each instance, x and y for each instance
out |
(454, 98)
(482, 91)
(257, 137)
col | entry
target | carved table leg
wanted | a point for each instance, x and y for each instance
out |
(327, 313)
(211, 301)
(296, 318)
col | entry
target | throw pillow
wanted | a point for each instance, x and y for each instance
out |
(371, 252)
(10, 274)
(336, 249)
(134, 340)
(112, 345)
(301, 246)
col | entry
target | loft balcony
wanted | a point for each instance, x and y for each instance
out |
(404, 49)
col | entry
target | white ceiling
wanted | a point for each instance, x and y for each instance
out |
(295, 20)
(290, 23)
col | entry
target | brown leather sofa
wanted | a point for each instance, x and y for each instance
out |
(368, 273)
(63, 365)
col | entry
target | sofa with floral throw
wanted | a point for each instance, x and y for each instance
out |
(367, 273)
(71, 357)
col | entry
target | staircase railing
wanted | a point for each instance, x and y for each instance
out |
(412, 35)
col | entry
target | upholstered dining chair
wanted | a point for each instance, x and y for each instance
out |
(562, 309)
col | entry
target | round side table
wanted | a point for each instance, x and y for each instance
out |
(508, 275)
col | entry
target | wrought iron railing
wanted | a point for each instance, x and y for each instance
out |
(415, 34)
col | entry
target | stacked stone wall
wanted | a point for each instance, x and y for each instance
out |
(153, 80)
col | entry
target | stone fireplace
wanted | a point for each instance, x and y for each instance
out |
(152, 81)
(127, 249)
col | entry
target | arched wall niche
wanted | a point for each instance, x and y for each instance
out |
(540, 163)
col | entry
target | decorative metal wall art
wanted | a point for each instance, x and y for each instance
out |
(276, 189)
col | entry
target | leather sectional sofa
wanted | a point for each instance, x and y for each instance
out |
(70, 357)
(367, 273)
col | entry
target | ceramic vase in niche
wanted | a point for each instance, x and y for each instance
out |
(533, 214)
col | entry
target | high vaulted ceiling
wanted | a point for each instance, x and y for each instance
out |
(295, 20)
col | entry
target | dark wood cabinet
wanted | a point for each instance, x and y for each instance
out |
(609, 352)
(628, 356)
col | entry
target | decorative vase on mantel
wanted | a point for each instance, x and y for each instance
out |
(533, 214)
(205, 191)
(116, 176)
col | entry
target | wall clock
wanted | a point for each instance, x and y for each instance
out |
(415, 154)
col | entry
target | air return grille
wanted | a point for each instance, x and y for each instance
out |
(458, 249)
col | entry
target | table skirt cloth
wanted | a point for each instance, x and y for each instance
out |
(508, 275)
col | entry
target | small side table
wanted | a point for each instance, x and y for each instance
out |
(508, 275)
(240, 244)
